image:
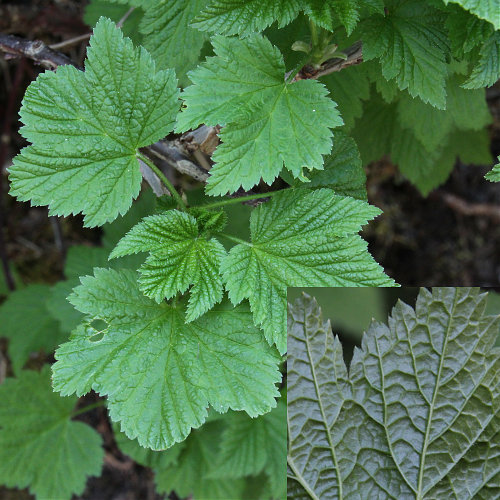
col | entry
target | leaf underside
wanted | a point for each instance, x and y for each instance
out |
(416, 417)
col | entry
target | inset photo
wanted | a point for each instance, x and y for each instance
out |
(393, 393)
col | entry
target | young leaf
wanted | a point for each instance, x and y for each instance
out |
(300, 238)
(331, 13)
(411, 43)
(173, 370)
(86, 129)
(190, 474)
(40, 447)
(243, 17)
(27, 323)
(179, 257)
(415, 417)
(487, 70)
(251, 446)
(268, 122)
(484, 9)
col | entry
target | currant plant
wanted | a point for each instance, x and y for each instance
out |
(186, 320)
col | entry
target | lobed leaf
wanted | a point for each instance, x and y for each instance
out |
(174, 370)
(487, 70)
(415, 415)
(40, 446)
(191, 473)
(299, 238)
(268, 123)
(179, 257)
(25, 320)
(86, 129)
(251, 446)
(411, 44)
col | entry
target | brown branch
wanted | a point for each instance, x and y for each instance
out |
(354, 55)
(465, 207)
(14, 46)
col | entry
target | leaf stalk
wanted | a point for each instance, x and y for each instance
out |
(177, 197)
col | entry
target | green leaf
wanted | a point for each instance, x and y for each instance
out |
(190, 475)
(484, 9)
(330, 13)
(426, 168)
(251, 446)
(429, 125)
(113, 232)
(40, 447)
(494, 174)
(465, 109)
(179, 257)
(343, 171)
(80, 261)
(174, 370)
(466, 31)
(411, 44)
(348, 88)
(59, 307)
(27, 323)
(230, 17)
(417, 416)
(173, 43)
(268, 122)
(86, 128)
(487, 70)
(299, 238)
(341, 306)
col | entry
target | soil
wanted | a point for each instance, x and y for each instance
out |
(419, 241)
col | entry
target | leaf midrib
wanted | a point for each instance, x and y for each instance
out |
(323, 416)
(433, 402)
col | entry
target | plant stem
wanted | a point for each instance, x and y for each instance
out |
(240, 199)
(101, 402)
(235, 239)
(314, 34)
(161, 176)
